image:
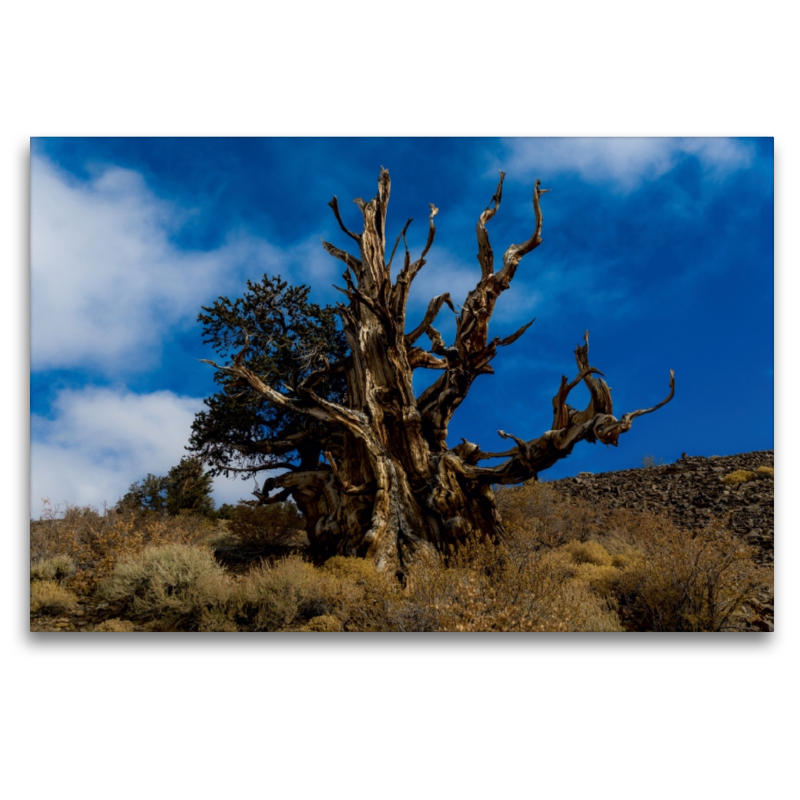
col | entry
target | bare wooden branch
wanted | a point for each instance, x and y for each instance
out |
(352, 262)
(419, 358)
(633, 414)
(334, 204)
(402, 236)
(515, 252)
(431, 234)
(434, 307)
(485, 254)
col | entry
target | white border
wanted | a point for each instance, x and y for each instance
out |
(467, 717)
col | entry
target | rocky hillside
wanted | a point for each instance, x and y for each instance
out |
(692, 491)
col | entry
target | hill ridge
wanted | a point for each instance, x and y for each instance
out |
(691, 491)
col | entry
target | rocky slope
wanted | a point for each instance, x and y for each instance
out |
(692, 491)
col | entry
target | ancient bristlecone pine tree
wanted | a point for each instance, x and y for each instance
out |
(377, 477)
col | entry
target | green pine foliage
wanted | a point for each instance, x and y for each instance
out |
(186, 487)
(283, 338)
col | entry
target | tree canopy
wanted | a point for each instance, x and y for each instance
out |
(186, 487)
(277, 333)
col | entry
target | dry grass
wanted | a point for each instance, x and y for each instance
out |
(51, 598)
(658, 576)
(274, 597)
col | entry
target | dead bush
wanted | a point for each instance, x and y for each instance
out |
(367, 600)
(657, 576)
(516, 585)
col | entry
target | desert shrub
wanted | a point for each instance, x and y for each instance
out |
(365, 599)
(765, 472)
(263, 528)
(288, 594)
(626, 558)
(739, 476)
(655, 575)
(516, 585)
(56, 568)
(588, 552)
(601, 578)
(279, 596)
(97, 542)
(217, 618)
(534, 511)
(701, 580)
(115, 626)
(324, 624)
(355, 570)
(50, 597)
(175, 587)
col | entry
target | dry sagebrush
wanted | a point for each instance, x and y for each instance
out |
(563, 566)
(97, 542)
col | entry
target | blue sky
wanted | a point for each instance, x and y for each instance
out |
(662, 248)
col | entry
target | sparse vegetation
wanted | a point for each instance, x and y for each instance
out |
(565, 565)
(739, 476)
(745, 475)
(324, 624)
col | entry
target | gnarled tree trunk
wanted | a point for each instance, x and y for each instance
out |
(379, 479)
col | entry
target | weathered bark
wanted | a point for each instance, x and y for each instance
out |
(382, 480)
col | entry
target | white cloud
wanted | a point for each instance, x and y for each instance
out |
(624, 163)
(107, 282)
(101, 440)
